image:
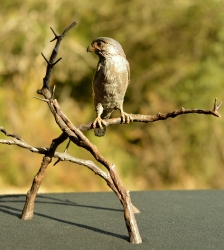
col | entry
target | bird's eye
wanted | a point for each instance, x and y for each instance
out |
(99, 43)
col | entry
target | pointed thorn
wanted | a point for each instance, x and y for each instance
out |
(41, 99)
(219, 105)
(67, 146)
(45, 58)
(53, 32)
(57, 162)
(57, 61)
(54, 39)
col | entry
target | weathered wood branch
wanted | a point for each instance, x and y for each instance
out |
(51, 63)
(10, 134)
(28, 209)
(61, 156)
(155, 118)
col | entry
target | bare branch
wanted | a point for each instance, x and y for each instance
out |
(61, 157)
(23, 144)
(216, 107)
(45, 58)
(69, 27)
(56, 36)
(45, 90)
(9, 134)
(64, 32)
(28, 209)
(41, 99)
(53, 91)
(154, 118)
(66, 148)
(57, 61)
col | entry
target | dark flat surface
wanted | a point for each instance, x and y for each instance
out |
(168, 220)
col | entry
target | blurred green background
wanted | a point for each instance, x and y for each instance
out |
(176, 55)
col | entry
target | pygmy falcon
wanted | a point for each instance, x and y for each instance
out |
(110, 81)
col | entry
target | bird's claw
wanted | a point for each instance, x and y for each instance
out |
(99, 121)
(126, 118)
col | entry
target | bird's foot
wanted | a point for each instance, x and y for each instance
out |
(100, 122)
(126, 118)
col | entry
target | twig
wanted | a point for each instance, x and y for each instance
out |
(56, 36)
(10, 134)
(66, 148)
(216, 107)
(53, 91)
(41, 99)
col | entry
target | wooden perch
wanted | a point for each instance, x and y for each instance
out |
(158, 117)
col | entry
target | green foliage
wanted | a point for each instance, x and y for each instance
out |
(175, 50)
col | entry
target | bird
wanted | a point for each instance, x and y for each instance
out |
(110, 82)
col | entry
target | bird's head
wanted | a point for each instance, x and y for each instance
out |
(105, 47)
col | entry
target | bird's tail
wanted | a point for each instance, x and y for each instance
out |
(100, 132)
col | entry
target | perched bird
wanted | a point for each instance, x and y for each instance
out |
(110, 81)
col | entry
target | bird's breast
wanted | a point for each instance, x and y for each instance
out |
(110, 81)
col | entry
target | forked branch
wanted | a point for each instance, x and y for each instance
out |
(52, 62)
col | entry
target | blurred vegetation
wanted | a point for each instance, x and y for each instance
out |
(176, 53)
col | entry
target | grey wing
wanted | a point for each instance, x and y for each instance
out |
(128, 70)
(125, 79)
(97, 85)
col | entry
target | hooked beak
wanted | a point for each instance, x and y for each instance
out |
(90, 48)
